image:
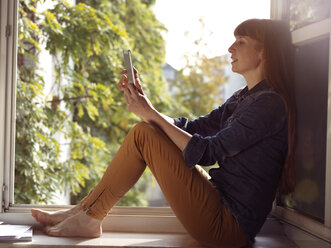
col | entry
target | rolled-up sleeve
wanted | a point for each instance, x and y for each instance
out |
(181, 122)
(262, 118)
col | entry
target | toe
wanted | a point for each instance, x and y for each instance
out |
(47, 230)
(33, 212)
(52, 231)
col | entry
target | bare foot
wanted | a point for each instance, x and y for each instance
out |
(50, 218)
(78, 225)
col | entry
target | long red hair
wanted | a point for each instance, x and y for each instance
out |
(275, 38)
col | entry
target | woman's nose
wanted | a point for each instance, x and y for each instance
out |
(230, 49)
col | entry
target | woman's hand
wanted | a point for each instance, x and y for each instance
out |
(136, 100)
(138, 103)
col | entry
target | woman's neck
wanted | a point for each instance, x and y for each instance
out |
(253, 79)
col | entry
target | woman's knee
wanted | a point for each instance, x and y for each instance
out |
(144, 128)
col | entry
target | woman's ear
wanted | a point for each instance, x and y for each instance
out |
(260, 51)
(262, 58)
(261, 54)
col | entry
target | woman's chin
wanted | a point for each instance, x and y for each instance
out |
(234, 69)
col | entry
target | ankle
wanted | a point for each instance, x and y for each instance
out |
(88, 220)
(76, 209)
(94, 225)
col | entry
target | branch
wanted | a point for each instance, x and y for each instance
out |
(69, 98)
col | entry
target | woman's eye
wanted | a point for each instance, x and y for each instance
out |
(239, 43)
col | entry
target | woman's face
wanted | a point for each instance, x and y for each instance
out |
(246, 55)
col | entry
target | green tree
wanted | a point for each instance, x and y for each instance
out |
(84, 108)
(198, 86)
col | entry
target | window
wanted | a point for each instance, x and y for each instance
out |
(305, 12)
(70, 118)
(311, 83)
(309, 206)
(8, 60)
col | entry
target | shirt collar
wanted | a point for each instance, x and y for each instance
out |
(258, 87)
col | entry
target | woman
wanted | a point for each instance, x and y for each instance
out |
(251, 136)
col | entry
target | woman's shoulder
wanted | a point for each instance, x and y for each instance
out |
(270, 96)
(262, 96)
(269, 92)
(269, 101)
(266, 100)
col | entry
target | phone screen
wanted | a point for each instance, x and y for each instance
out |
(128, 65)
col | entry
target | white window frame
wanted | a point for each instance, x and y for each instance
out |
(8, 62)
(304, 35)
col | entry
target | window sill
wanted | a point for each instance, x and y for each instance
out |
(151, 227)
(120, 219)
(114, 239)
(274, 234)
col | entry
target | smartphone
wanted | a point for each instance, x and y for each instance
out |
(128, 66)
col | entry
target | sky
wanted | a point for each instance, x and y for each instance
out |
(220, 17)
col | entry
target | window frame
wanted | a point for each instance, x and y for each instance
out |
(129, 218)
(8, 62)
(300, 36)
(126, 219)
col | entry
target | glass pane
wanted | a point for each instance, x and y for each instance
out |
(304, 12)
(70, 116)
(311, 71)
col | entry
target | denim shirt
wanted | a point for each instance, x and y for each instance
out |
(247, 136)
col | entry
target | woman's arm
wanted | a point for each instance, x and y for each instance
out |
(167, 124)
(262, 119)
(168, 119)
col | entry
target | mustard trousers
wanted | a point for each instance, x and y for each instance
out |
(194, 200)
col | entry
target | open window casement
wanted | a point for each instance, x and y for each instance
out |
(121, 218)
(8, 70)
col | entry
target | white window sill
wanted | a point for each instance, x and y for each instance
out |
(153, 227)
(114, 239)
(274, 234)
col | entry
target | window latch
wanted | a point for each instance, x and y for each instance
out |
(3, 188)
(3, 203)
(8, 31)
